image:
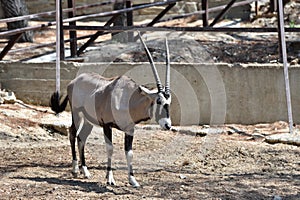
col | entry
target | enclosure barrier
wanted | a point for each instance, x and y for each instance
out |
(161, 17)
(73, 28)
(252, 93)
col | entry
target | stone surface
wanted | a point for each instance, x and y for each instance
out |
(7, 97)
(58, 126)
(285, 138)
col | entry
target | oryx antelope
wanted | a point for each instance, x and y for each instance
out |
(113, 103)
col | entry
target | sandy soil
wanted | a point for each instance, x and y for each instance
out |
(230, 162)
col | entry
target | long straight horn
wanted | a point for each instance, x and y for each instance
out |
(154, 70)
(167, 85)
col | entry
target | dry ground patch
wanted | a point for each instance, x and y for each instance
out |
(230, 162)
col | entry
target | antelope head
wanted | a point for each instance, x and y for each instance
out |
(162, 97)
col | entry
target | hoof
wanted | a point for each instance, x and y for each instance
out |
(75, 169)
(111, 183)
(110, 178)
(133, 182)
(75, 175)
(87, 176)
(86, 172)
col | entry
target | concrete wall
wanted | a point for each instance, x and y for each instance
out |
(202, 93)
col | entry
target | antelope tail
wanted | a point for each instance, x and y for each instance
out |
(55, 103)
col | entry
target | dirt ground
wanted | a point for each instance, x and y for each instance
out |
(229, 162)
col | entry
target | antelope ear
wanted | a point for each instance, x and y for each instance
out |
(150, 93)
(147, 91)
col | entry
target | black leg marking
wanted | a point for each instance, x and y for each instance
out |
(129, 157)
(72, 138)
(109, 150)
(82, 135)
(128, 142)
(128, 152)
(81, 140)
(107, 134)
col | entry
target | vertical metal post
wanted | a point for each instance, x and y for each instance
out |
(129, 20)
(273, 5)
(72, 34)
(204, 5)
(58, 24)
(283, 54)
(61, 32)
(256, 8)
(121, 37)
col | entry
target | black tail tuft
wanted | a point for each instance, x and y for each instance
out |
(55, 103)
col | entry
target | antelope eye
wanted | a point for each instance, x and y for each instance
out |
(158, 101)
(167, 95)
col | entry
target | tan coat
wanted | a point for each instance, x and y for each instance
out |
(116, 101)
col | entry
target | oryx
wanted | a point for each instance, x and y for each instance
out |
(113, 103)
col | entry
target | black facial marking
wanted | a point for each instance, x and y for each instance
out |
(167, 96)
(158, 101)
(166, 107)
(167, 126)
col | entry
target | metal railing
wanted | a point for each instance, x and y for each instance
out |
(14, 35)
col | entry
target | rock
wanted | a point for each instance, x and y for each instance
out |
(190, 50)
(190, 131)
(60, 127)
(285, 138)
(182, 176)
(7, 97)
(295, 61)
(191, 7)
(291, 12)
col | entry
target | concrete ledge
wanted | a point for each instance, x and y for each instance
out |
(202, 93)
